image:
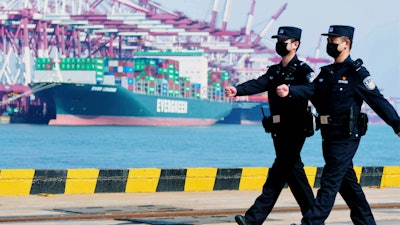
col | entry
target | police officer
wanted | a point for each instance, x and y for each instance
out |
(286, 125)
(338, 93)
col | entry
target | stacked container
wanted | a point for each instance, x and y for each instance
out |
(143, 75)
(43, 64)
(215, 91)
(186, 87)
(196, 89)
(224, 79)
(119, 72)
(220, 77)
(99, 68)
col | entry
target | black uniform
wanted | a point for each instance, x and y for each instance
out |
(288, 133)
(338, 93)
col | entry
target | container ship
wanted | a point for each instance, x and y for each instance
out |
(142, 91)
(19, 106)
(247, 110)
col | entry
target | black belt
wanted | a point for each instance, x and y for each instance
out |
(329, 119)
(283, 118)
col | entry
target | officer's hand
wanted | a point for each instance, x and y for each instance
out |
(398, 134)
(230, 91)
(282, 90)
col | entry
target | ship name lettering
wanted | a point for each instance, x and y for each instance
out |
(103, 89)
(171, 106)
(109, 89)
(96, 88)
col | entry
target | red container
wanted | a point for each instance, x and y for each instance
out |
(224, 83)
(161, 76)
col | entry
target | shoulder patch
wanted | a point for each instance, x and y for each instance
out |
(368, 83)
(310, 77)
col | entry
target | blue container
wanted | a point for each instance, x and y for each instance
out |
(195, 86)
(164, 92)
(128, 69)
(100, 79)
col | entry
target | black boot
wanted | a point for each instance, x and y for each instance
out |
(241, 220)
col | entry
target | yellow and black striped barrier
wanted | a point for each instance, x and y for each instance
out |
(89, 181)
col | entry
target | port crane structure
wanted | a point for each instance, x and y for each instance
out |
(119, 28)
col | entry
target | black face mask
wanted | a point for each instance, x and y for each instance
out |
(281, 49)
(331, 49)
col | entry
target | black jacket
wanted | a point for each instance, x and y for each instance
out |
(343, 86)
(292, 111)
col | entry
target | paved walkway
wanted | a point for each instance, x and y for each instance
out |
(285, 211)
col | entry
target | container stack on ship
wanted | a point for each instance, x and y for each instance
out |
(117, 62)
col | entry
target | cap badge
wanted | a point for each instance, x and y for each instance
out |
(331, 29)
(281, 31)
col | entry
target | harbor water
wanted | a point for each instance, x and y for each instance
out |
(116, 147)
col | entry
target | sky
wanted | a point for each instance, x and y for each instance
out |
(376, 38)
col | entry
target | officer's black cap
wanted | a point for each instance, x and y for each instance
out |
(340, 30)
(288, 32)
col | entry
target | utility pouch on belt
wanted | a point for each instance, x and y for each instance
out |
(351, 121)
(309, 123)
(362, 124)
(266, 122)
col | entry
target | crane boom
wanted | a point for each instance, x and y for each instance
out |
(268, 26)
(226, 14)
(214, 13)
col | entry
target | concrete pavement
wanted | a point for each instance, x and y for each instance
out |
(383, 201)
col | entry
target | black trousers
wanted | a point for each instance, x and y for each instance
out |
(338, 176)
(287, 168)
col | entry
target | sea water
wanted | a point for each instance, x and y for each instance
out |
(118, 147)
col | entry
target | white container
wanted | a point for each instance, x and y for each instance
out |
(67, 76)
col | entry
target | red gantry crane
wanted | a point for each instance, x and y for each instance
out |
(116, 29)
